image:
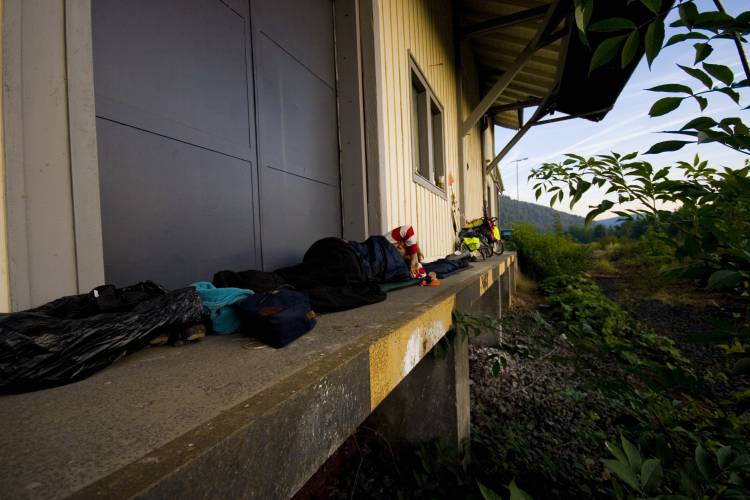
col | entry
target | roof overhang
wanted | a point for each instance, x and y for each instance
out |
(528, 53)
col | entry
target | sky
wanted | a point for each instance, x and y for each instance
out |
(628, 128)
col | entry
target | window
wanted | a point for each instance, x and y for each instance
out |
(427, 133)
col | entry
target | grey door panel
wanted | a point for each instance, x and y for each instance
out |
(176, 67)
(171, 212)
(304, 28)
(297, 129)
(297, 126)
(184, 89)
(300, 213)
(176, 143)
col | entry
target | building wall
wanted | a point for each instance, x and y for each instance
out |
(44, 246)
(488, 153)
(422, 28)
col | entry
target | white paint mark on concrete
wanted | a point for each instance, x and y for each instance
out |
(420, 343)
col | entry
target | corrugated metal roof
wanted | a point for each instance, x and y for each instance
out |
(496, 51)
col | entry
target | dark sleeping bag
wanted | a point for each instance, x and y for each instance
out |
(73, 337)
(380, 260)
(447, 266)
(331, 274)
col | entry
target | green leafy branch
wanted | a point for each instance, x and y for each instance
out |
(704, 28)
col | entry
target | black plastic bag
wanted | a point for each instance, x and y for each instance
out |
(70, 338)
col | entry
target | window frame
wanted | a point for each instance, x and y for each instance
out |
(428, 140)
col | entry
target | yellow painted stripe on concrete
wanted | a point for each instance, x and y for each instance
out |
(485, 281)
(394, 356)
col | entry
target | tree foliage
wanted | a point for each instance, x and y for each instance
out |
(703, 212)
(703, 30)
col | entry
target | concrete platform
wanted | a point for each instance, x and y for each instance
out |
(227, 417)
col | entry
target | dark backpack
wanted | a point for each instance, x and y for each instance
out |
(277, 318)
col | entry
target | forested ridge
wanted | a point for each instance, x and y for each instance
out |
(541, 217)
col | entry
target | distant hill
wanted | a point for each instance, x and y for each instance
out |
(611, 222)
(540, 216)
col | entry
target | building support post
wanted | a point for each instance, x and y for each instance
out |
(538, 114)
(431, 403)
(372, 85)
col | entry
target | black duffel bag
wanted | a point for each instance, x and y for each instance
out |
(276, 318)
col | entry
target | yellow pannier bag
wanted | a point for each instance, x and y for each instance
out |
(496, 232)
(472, 243)
(475, 223)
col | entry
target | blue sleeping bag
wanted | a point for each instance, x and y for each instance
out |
(380, 260)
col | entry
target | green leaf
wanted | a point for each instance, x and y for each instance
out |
(725, 278)
(700, 75)
(665, 105)
(651, 474)
(582, 14)
(517, 493)
(612, 24)
(700, 123)
(654, 39)
(712, 19)
(724, 455)
(741, 367)
(740, 464)
(704, 463)
(702, 51)
(616, 452)
(702, 101)
(605, 52)
(630, 49)
(488, 494)
(622, 471)
(600, 209)
(671, 87)
(688, 13)
(720, 72)
(733, 94)
(634, 456)
(652, 5)
(681, 37)
(665, 146)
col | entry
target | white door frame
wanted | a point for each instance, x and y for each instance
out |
(51, 169)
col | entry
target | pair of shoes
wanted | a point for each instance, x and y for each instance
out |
(193, 333)
(159, 340)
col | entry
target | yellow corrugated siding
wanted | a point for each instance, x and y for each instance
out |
(422, 28)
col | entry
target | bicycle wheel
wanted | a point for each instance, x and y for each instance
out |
(498, 247)
(486, 251)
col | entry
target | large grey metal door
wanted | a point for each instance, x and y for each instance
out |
(176, 138)
(297, 126)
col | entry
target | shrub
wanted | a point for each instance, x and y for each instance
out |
(547, 254)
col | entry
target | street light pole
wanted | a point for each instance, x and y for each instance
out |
(518, 198)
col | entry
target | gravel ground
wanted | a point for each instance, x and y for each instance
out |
(537, 415)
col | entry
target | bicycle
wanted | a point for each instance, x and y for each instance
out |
(486, 231)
